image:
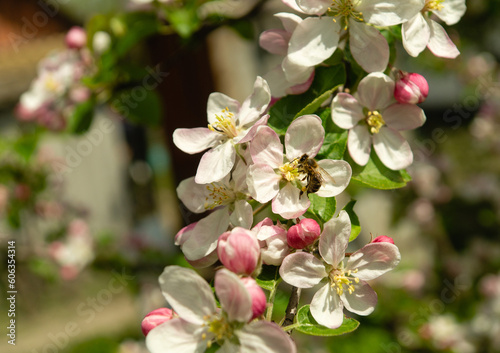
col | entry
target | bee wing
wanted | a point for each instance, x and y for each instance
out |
(325, 176)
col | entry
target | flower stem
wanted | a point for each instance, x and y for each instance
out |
(291, 309)
(290, 327)
(272, 296)
(260, 208)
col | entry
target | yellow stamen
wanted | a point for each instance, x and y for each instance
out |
(340, 278)
(225, 124)
(433, 5)
(345, 9)
(375, 121)
(218, 194)
(289, 171)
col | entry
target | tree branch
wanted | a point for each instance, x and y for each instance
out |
(291, 309)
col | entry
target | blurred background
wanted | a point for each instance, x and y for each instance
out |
(91, 204)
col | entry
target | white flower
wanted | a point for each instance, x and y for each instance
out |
(230, 124)
(345, 284)
(374, 116)
(200, 322)
(420, 31)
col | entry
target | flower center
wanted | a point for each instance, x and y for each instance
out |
(375, 121)
(289, 171)
(219, 326)
(345, 9)
(340, 278)
(433, 5)
(218, 194)
(51, 84)
(225, 124)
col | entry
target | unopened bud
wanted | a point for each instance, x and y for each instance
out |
(383, 239)
(303, 234)
(76, 38)
(239, 251)
(411, 88)
(258, 296)
(155, 318)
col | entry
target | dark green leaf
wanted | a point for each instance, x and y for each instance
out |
(323, 208)
(355, 226)
(134, 27)
(184, 20)
(335, 142)
(269, 277)
(81, 119)
(138, 105)
(309, 326)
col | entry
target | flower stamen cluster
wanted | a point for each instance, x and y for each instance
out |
(218, 195)
(219, 326)
(339, 277)
(344, 9)
(225, 124)
(433, 5)
(289, 171)
(375, 121)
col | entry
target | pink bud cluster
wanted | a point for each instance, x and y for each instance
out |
(411, 88)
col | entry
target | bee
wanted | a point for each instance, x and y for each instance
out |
(315, 176)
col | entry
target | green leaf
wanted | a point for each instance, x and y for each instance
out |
(322, 208)
(335, 142)
(26, 145)
(138, 105)
(184, 20)
(309, 326)
(269, 277)
(81, 119)
(355, 226)
(133, 28)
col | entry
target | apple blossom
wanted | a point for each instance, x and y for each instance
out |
(410, 88)
(383, 239)
(239, 251)
(345, 284)
(200, 322)
(273, 242)
(259, 300)
(279, 178)
(230, 124)
(373, 116)
(155, 318)
(303, 233)
(76, 38)
(193, 229)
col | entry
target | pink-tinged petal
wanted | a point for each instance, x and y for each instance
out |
(362, 301)
(256, 104)
(452, 11)
(274, 249)
(259, 300)
(218, 102)
(266, 148)
(335, 238)
(239, 176)
(192, 195)
(359, 143)
(264, 337)
(292, 4)
(275, 41)
(314, 7)
(195, 140)
(177, 336)
(392, 149)
(373, 260)
(205, 261)
(296, 73)
(263, 182)
(184, 234)
(376, 91)
(327, 308)
(267, 231)
(305, 135)
(313, 41)
(250, 133)
(216, 164)
(288, 20)
(346, 111)
(277, 82)
(188, 293)
(302, 270)
(302, 87)
(403, 116)
(340, 173)
(416, 34)
(389, 12)
(368, 47)
(242, 215)
(233, 296)
(440, 44)
(205, 234)
(155, 318)
(289, 204)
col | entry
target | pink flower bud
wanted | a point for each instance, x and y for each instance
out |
(411, 88)
(259, 300)
(303, 234)
(383, 239)
(155, 318)
(76, 38)
(239, 251)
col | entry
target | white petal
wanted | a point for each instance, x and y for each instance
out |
(249, 134)
(302, 270)
(256, 104)
(266, 148)
(305, 135)
(368, 47)
(327, 308)
(392, 149)
(216, 163)
(263, 182)
(195, 140)
(289, 204)
(314, 7)
(403, 116)
(292, 4)
(296, 73)
(440, 44)
(177, 336)
(334, 239)
(313, 41)
(389, 12)
(275, 41)
(264, 337)
(340, 173)
(277, 82)
(189, 295)
(228, 347)
(242, 215)
(416, 34)
(376, 91)
(204, 236)
(373, 260)
(233, 296)
(452, 11)
(218, 102)
(192, 195)
(288, 20)
(359, 143)
(346, 111)
(362, 301)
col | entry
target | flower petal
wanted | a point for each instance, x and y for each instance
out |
(296, 73)
(335, 238)
(389, 12)
(218, 102)
(305, 135)
(275, 41)
(256, 104)
(277, 82)
(289, 204)
(288, 20)
(314, 7)
(340, 173)
(416, 34)
(189, 295)
(440, 44)
(376, 91)
(292, 4)
(392, 149)
(313, 41)
(216, 163)
(195, 140)
(192, 195)
(362, 301)
(266, 148)
(242, 215)
(178, 336)
(359, 143)
(264, 337)
(263, 182)
(403, 116)
(452, 11)
(373, 260)
(302, 270)
(327, 308)
(233, 296)
(346, 111)
(249, 134)
(368, 47)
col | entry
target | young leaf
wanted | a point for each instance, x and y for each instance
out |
(323, 208)
(138, 105)
(355, 226)
(309, 326)
(269, 277)
(335, 142)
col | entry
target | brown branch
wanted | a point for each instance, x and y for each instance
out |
(291, 309)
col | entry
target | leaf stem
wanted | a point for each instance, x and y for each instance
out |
(291, 327)
(260, 208)
(272, 296)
